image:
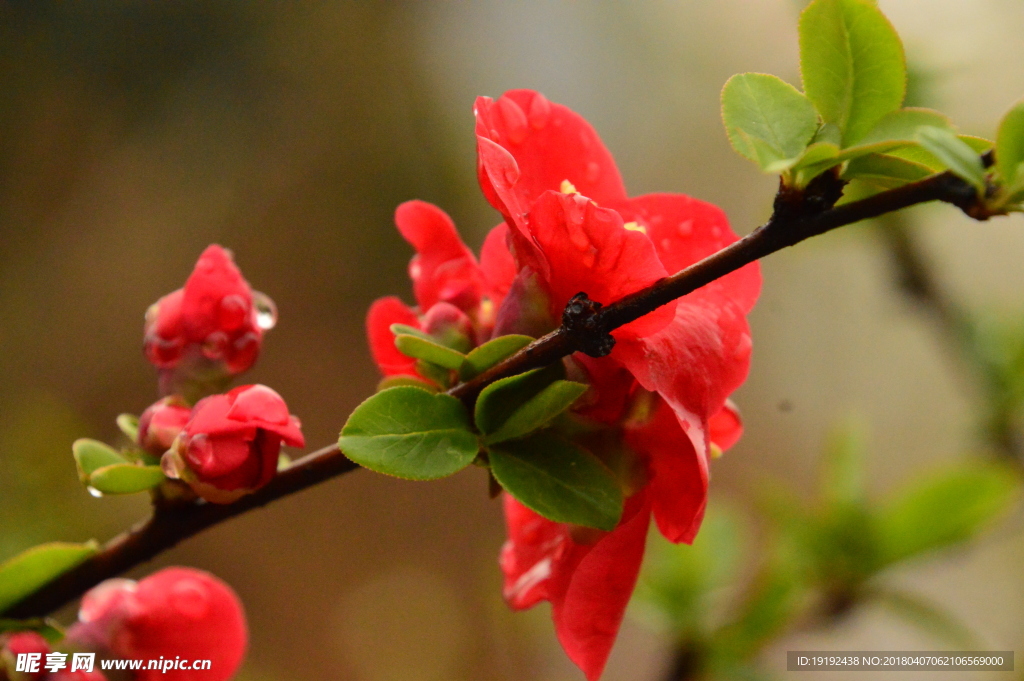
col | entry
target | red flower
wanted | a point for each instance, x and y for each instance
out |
(230, 445)
(573, 228)
(212, 327)
(161, 423)
(26, 643)
(570, 227)
(174, 613)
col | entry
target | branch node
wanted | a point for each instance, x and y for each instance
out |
(584, 327)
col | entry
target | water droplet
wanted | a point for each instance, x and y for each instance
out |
(589, 257)
(511, 175)
(200, 449)
(516, 126)
(593, 171)
(415, 270)
(243, 353)
(666, 244)
(94, 492)
(685, 228)
(215, 345)
(266, 310)
(232, 312)
(716, 231)
(190, 598)
(655, 220)
(540, 111)
(169, 464)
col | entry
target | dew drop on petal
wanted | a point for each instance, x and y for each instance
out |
(215, 345)
(593, 171)
(685, 228)
(716, 231)
(515, 120)
(190, 598)
(540, 111)
(94, 492)
(169, 465)
(200, 450)
(266, 310)
(232, 312)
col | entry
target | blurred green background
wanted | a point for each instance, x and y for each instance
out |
(134, 133)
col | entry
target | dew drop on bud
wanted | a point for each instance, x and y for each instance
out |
(190, 598)
(593, 171)
(266, 311)
(94, 492)
(169, 466)
(232, 312)
(215, 345)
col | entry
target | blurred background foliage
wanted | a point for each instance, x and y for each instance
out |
(134, 133)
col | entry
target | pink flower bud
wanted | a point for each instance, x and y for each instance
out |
(231, 444)
(211, 327)
(161, 423)
(174, 613)
(26, 643)
(450, 326)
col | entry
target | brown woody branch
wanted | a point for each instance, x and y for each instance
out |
(798, 215)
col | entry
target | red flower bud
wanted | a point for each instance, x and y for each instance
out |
(174, 613)
(211, 327)
(26, 643)
(231, 444)
(161, 423)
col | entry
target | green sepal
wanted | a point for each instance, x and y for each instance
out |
(559, 480)
(91, 455)
(28, 571)
(125, 478)
(483, 357)
(410, 433)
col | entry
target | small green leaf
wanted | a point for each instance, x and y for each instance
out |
(852, 63)
(428, 351)
(482, 358)
(45, 627)
(125, 478)
(405, 330)
(91, 455)
(884, 171)
(928, 617)
(561, 481)
(538, 411)
(902, 126)
(501, 399)
(1010, 145)
(129, 425)
(28, 571)
(956, 154)
(943, 510)
(767, 109)
(410, 433)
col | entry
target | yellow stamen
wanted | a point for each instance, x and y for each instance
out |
(568, 188)
(635, 227)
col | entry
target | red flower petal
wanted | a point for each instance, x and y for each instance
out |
(589, 250)
(550, 143)
(686, 230)
(726, 426)
(444, 269)
(678, 486)
(695, 362)
(497, 263)
(589, 586)
(382, 314)
(217, 297)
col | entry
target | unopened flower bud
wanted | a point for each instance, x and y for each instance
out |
(161, 423)
(450, 326)
(230, 446)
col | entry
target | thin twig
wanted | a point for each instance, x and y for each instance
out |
(798, 215)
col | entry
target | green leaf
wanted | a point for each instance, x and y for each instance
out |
(125, 478)
(884, 171)
(25, 573)
(482, 358)
(842, 480)
(410, 433)
(956, 154)
(45, 627)
(767, 109)
(503, 398)
(902, 126)
(1010, 146)
(536, 411)
(91, 455)
(561, 481)
(918, 154)
(852, 63)
(944, 509)
(428, 351)
(405, 330)
(129, 425)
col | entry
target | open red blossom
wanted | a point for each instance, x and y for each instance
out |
(174, 613)
(231, 443)
(211, 327)
(570, 227)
